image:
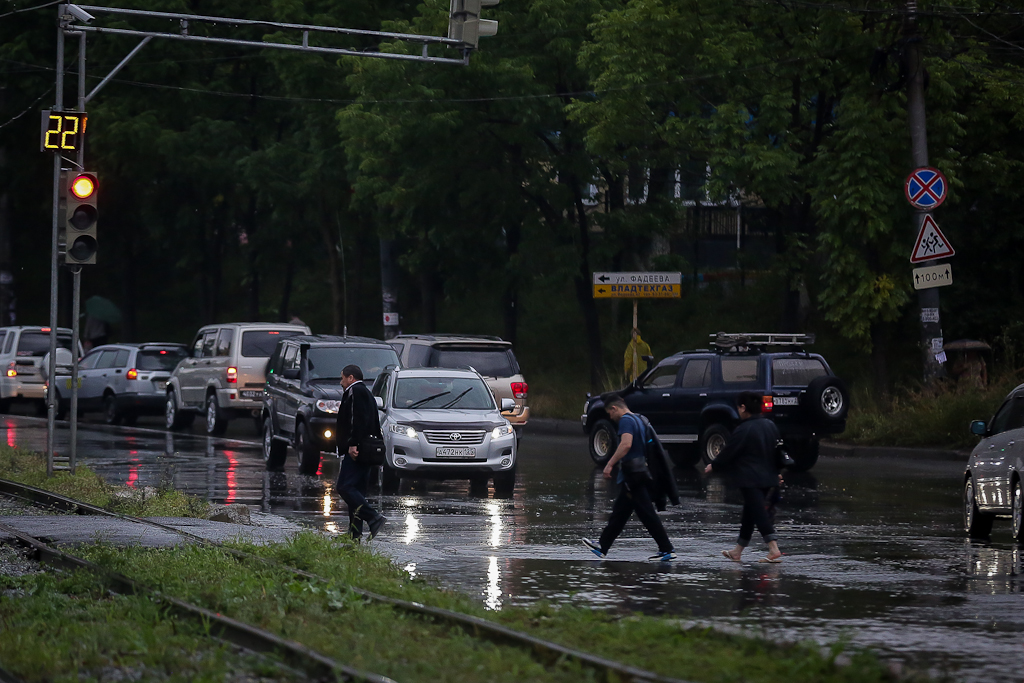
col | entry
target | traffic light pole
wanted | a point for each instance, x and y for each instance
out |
(51, 372)
(76, 271)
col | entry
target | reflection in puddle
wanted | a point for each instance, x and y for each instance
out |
(327, 503)
(495, 521)
(412, 529)
(410, 569)
(493, 595)
(331, 527)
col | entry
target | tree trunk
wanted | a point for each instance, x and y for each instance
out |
(510, 297)
(880, 335)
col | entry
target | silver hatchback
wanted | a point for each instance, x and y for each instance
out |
(444, 423)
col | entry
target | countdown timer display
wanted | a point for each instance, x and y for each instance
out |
(62, 131)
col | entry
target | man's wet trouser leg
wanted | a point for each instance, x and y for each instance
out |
(353, 482)
(644, 507)
(621, 511)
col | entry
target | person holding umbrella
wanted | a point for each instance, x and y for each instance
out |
(100, 314)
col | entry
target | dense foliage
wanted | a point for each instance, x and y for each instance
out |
(256, 184)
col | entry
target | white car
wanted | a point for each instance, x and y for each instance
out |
(444, 423)
(22, 373)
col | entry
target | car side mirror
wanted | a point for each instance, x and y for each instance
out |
(291, 373)
(379, 401)
(507, 404)
(979, 428)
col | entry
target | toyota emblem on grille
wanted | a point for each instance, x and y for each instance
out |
(455, 436)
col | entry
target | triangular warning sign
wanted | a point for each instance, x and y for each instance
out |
(931, 243)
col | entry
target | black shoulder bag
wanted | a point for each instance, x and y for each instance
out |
(371, 451)
(635, 470)
(783, 459)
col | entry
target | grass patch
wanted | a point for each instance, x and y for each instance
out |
(938, 418)
(378, 638)
(65, 627)
(28, 467)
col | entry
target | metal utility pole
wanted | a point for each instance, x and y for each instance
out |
(927, 299)
(76, 271)
(389, 287)
(51, 412)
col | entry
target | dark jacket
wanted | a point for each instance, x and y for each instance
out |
(663, 487)
(749, 455)
(357, 417)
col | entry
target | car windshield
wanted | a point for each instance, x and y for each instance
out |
(261, 343)
(793, 372)
(325, 363)
(38, 343)
(160, 359)
(438, 393)
(488, 362)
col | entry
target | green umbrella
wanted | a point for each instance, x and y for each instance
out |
(98, 308)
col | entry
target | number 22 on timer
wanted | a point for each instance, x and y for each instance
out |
(60, 128)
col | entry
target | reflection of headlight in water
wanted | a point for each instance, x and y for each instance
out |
(327, 504)
(495, 520)
(493, 600)
(412, 529)
(410, 570)
(331, 527)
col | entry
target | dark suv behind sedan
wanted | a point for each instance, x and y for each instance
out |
(303, 393)
(690, 398)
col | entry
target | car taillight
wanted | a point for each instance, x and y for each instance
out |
(767, 403)
(11, 370)
(232, 375)
(519, 389)
(132, 374)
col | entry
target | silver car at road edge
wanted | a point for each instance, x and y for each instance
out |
(444, 423)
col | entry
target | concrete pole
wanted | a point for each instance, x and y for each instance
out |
(76, 292)
(927, 299)
(389, 283)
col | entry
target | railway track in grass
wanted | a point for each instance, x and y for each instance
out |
(544, 651)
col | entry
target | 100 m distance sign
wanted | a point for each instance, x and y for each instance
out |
(62, 131)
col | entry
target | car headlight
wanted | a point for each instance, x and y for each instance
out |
(328, 406)
(404, 430)
(499, 432)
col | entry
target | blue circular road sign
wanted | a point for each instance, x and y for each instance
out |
(926, 188)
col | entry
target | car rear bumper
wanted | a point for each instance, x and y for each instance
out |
(149, 404)
(234, 399)
(13, 388)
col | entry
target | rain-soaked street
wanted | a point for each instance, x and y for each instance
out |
(874, 552)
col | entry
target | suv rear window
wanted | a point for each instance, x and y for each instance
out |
(792, 372)
(488, 362)
(160, 359)
(261, 343)
(739, 370)
(38, 343)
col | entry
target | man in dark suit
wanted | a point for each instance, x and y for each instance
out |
(357, 420)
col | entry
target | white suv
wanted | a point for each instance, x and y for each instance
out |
(22, 375)
(225, 375)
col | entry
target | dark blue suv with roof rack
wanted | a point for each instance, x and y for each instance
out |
(690, 397)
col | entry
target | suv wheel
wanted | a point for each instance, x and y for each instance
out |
(505, 483)
(712, 441)
(216, 424)
(309, 454)
(110, 413)
(804, 452)
(173, 417)
(827, 399)
(603, 441)
(977, 524)
(274, 450)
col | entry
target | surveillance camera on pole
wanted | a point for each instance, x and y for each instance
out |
(79, 13)
(465, 24)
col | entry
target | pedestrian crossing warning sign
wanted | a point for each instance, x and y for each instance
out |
(931, 243)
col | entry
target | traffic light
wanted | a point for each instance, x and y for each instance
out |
(465, 24)
(79, 214)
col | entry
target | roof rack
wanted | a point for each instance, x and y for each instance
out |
(735, 341)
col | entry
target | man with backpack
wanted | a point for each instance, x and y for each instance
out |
(634, 479)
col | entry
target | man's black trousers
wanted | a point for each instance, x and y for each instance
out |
(634, 499)
(353, 482)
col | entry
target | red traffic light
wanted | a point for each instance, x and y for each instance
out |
(83, 186)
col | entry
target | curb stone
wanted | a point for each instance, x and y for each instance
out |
(842, 450)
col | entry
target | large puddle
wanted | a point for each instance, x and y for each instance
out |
(874, 552)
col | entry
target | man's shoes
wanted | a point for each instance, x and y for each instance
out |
(376, 525)
(663, 557)
(594, 548)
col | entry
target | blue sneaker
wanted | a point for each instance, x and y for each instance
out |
(663, 557)
(594, 548)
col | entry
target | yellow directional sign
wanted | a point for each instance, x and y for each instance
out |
(637, 285)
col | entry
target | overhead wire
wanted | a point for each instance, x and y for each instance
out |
(29, 9)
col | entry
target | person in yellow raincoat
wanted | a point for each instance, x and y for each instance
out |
(641, 349)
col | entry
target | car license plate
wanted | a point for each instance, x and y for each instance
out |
(786, 400)
(252, 394)
(451, 452)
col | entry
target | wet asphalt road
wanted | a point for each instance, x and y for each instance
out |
(874, 552)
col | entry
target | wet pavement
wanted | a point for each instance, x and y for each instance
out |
(874, 552)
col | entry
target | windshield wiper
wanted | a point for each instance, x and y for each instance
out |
(456, 399)
(429, 398)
